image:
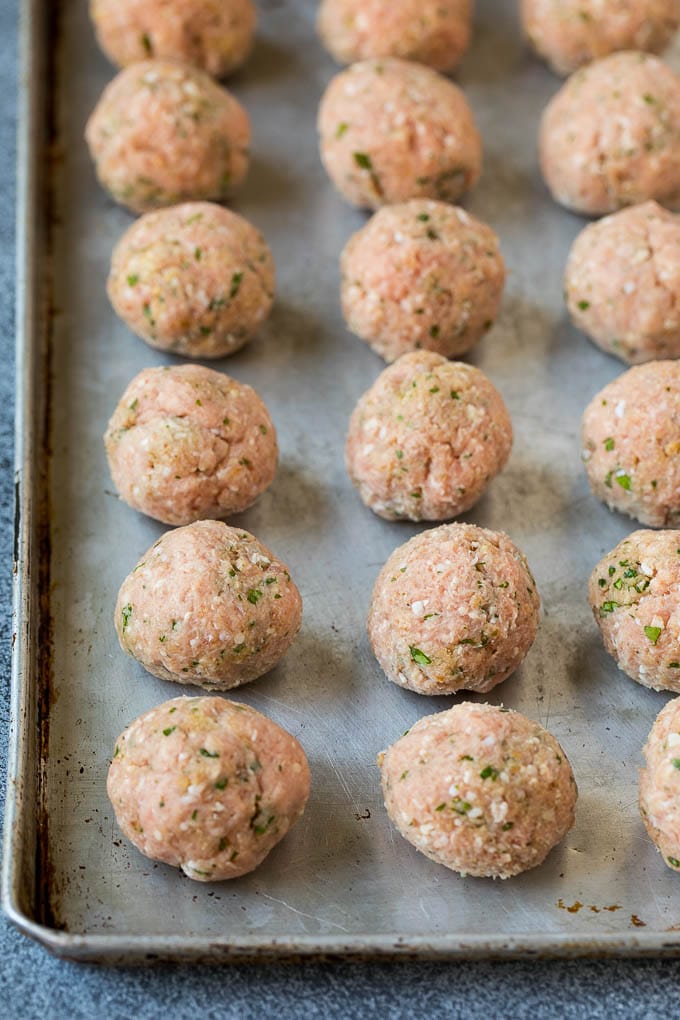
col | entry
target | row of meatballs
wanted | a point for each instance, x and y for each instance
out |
(482, 790)
(217, 35)
(209, 159)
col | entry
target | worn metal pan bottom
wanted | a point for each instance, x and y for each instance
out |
(343, 882)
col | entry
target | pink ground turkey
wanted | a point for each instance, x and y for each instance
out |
(215, 35)
(427, 438)
(622, 283)
(391, 130)
(570, 33)
(163, 133)
(611, 136)
(455, 608)
(660, 784)
(482, 790)
(207, 785)
(208, 605)
(631, 443)
(422, 275)
(187, 443)
(433, 32)
(634, 593)
(194, 279)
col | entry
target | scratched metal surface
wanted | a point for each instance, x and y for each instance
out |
(343, 880)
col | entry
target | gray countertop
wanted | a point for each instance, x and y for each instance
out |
(34, 984)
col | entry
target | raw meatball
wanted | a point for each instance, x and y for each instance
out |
(208, 605)
(622, 283)
(660, 784)
(195, 279)
(455, 608)
(188, 443)
(207, 785)
(611, 135)
(215, 35)
(427, 438)
(434, 32)
(569, 33)
(392, 130)
(631, 443)
(481, 790)
(163, 132)
(422, 275)
(635, 597)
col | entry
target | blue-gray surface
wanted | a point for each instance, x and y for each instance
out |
(32, 984)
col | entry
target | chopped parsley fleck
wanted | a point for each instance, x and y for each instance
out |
(133, 405)
(254, 596)
(676, 763)
(674, 862)
(222, 845)
(608, 607)
(235, 285)
(263, 430)
(198, 254)
(423, 217)
(126, 614)
(146, 43)
(420, 657)
(434, 332)
(116, 752)
(342, 129)
(508, 826)
(609, 444)
(602, 581)
(404, 774)
(399, 454)
(440, 807)
(674, 665)
(222, 784)
(466, 757)
(488, 772)
(205, 753)
(194, 815)
(434, 389)
(132, 280)
(455, 395)
(363, 161)
(623, 481)
(584, 305)
(169, 730)
(653, 634)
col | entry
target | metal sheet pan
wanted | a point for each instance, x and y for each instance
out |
(343, 882)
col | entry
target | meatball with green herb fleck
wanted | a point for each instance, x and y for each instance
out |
(611, 136)
(660, 784)
(422, 275)
(635, 597)
(622, 283)
(455, 608)
(631, 443)
(207, 785)
(215, 35)
(208, 605)
(570, 33)
(188, 443)
(391, 130)
(433, 32)
(482, 790)
(195, 279)
(427, 438)
(164, 133)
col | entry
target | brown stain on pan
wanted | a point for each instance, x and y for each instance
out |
(44, 636)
